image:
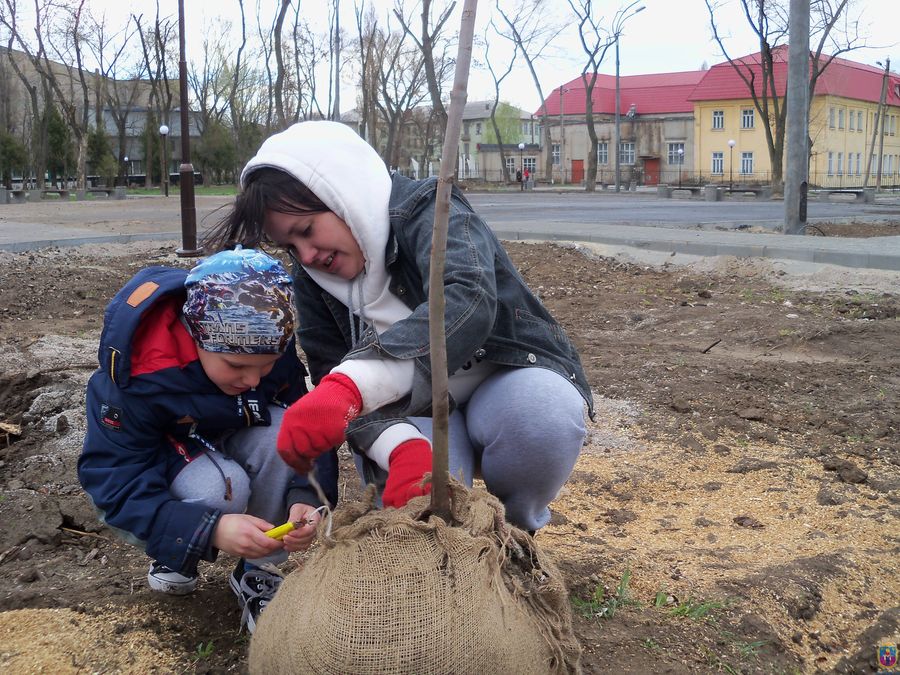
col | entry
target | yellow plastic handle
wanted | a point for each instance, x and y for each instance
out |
(281, 530)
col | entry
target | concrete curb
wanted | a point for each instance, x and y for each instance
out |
(841, 251)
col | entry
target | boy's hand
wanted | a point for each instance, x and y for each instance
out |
(301, 538)
(317, 421)
(409, 463)
(244, 536)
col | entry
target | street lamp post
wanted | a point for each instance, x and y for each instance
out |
(680, 164)
(522, 164)
(621, 16)
(731, 144)
(125, 159)
(164, 132)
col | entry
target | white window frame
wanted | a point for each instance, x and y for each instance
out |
(748, 115)
(554, 151)
(602, 152)
(673, 157)
(858, 163)
(840, 164)
(830, 163)
(718, 119)
(747, 163)
(478, 128)
(840, 118)
(530, 163)
(831, 117)
(859, 121)
(852, 121)
(717, 167)
(626, 152)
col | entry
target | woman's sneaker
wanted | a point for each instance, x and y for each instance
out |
(166, 580)
(254, 587)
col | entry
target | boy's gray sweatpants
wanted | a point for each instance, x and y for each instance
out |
(524, 428)
(259, 478)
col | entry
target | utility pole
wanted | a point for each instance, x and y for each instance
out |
(797, 176)
(878, 121)
(618, 122)
(882, 106)
(562, 139)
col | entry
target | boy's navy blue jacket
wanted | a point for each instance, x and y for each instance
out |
(151, 409)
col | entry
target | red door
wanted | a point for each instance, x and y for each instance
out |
(577, 170)
(651, 171)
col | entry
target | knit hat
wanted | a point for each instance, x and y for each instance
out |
(240, 301)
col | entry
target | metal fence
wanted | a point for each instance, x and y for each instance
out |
(632, 175)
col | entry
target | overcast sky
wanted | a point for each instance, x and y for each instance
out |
(667, 36)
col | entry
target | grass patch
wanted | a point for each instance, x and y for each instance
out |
(603, 604)
(696, 609)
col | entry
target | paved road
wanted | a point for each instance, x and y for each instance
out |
(532, 211)
(631, 220)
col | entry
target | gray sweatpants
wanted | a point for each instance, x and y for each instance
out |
(259, 478)
(524, 428)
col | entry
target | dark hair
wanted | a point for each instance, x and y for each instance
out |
(266, 189)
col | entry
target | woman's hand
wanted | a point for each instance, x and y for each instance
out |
(317, 422)
(301, 538)
(407, 466)
(244, 536)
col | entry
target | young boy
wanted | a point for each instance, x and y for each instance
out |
(182, 416)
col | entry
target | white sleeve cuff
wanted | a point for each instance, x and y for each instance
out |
(384, 445)
(380, 381)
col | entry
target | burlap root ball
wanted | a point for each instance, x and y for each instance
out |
(388, 593)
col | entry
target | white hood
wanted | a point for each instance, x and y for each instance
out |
(350, 178)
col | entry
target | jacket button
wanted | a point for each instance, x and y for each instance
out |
(532, 358)
(179, 540)
(401, 290)
(480, 353)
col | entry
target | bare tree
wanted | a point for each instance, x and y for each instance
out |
(498, 78)
(366, 31)
(37, 138)
(427, 40)
(158, 48)
(212, 81)
(120, 77)
(401, 86)
(61, 28)
(769, 22)
(595, 41)
(528, 27)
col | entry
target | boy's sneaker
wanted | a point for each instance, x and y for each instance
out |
(254, 587)
(166, 580)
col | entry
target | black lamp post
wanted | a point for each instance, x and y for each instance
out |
(125, 159)
(522, 164)
(164, 132)
(680, 163)
(731, 144)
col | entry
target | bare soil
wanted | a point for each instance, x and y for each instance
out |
(735, 508)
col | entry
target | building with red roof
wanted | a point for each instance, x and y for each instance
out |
(656, 121)
(730, 137)
(710, 116)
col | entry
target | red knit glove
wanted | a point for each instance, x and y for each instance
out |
(409, 463)
(317, 422)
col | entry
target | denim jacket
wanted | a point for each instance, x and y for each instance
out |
(490, 313)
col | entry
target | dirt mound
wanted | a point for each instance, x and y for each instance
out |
(734, 509)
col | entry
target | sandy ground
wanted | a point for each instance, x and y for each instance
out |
(735, 508)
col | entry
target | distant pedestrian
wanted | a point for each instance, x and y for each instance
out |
(519, 179)
(525, 178)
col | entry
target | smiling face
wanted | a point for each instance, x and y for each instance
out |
(236, 373)
(320, 240)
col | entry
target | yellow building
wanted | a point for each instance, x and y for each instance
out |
(730, 137)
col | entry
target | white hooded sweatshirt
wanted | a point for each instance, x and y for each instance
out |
(349, 177)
